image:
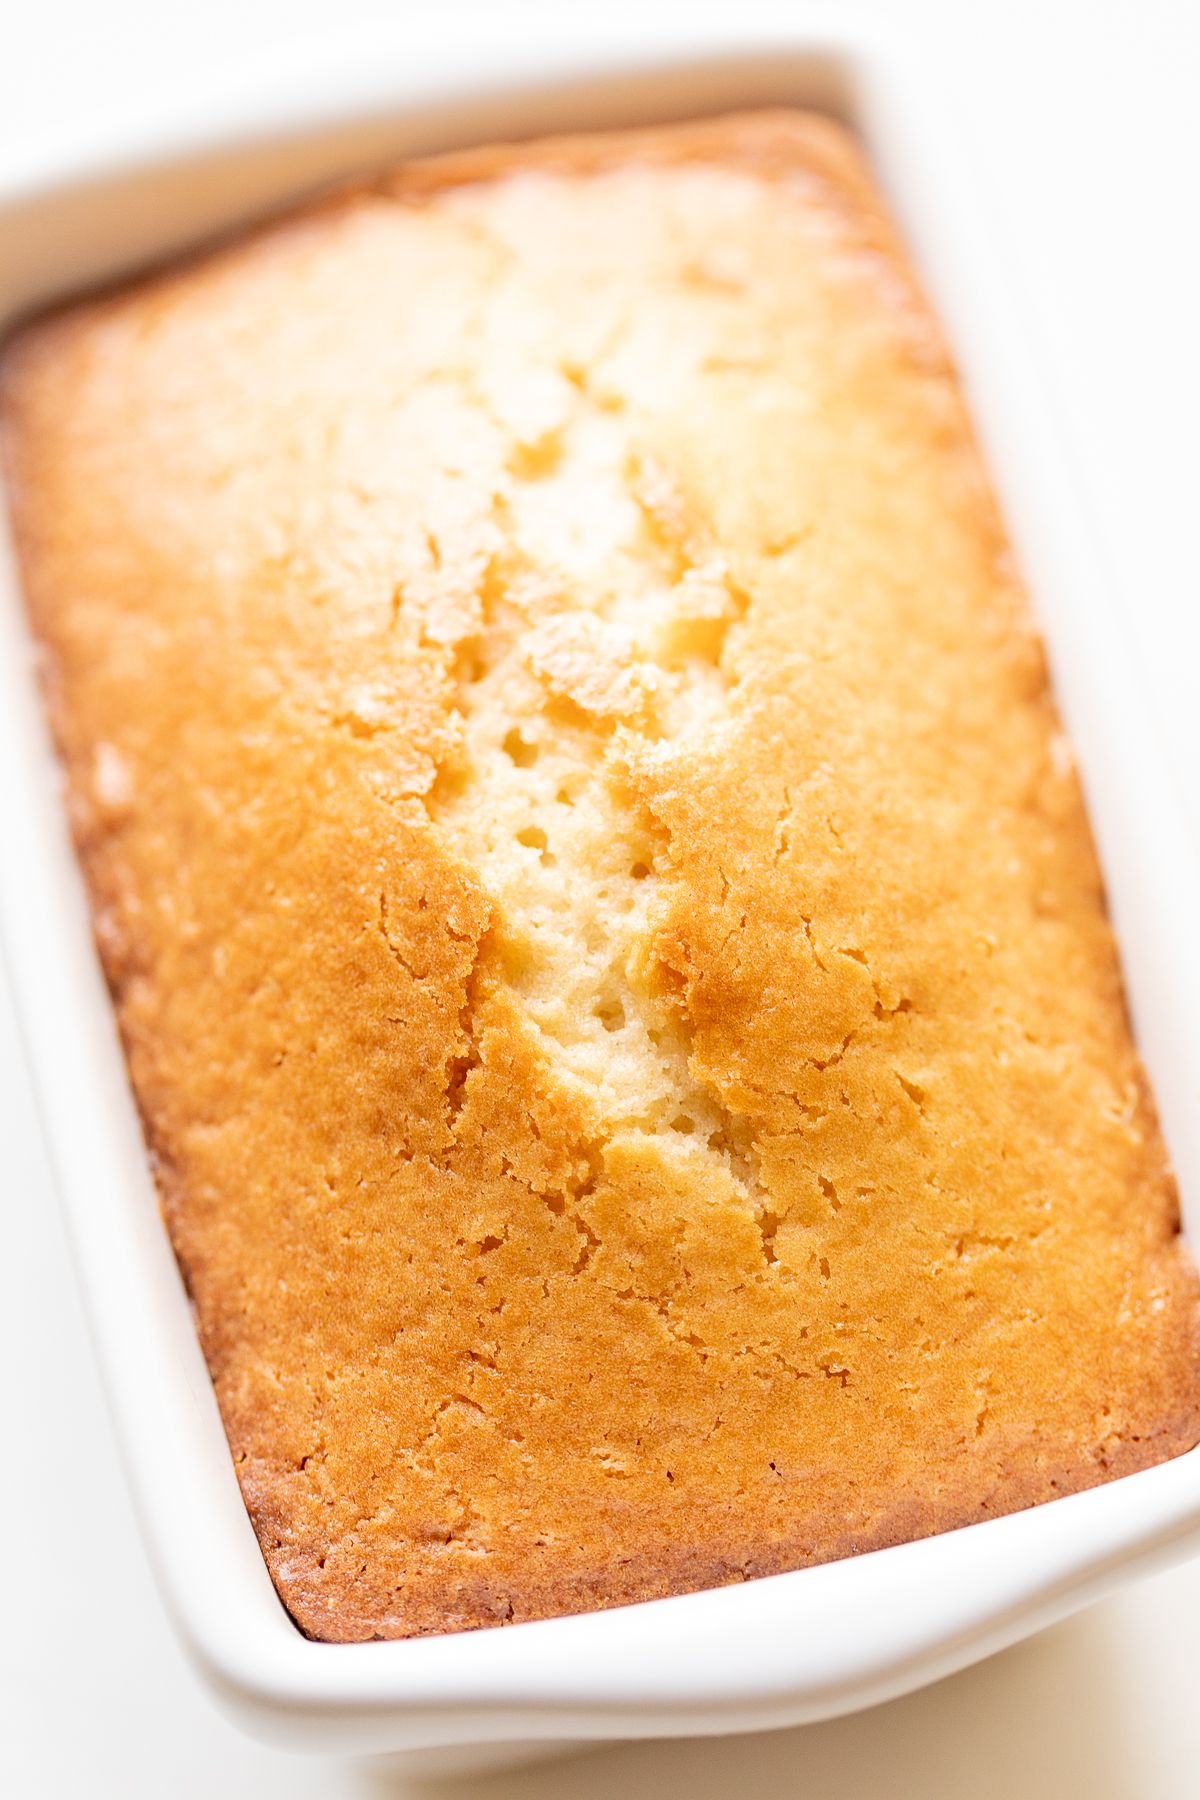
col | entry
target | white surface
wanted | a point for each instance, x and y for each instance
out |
(1101, 1706)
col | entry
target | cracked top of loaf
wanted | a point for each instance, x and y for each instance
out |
(601, 915)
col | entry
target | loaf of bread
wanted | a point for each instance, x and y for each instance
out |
(599, 906)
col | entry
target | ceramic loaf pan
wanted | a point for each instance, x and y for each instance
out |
(779, 1651)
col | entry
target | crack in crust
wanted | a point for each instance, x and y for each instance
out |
(564, 674)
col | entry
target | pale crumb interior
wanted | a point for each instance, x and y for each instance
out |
(604, 627)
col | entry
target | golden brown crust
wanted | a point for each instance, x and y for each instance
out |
(850, 1220)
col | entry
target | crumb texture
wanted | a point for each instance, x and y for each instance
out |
(600, 909)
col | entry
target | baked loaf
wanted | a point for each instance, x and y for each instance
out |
(601, 915)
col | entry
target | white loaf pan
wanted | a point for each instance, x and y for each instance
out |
(773, 1652)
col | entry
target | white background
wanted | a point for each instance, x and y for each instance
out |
(1082, 121)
